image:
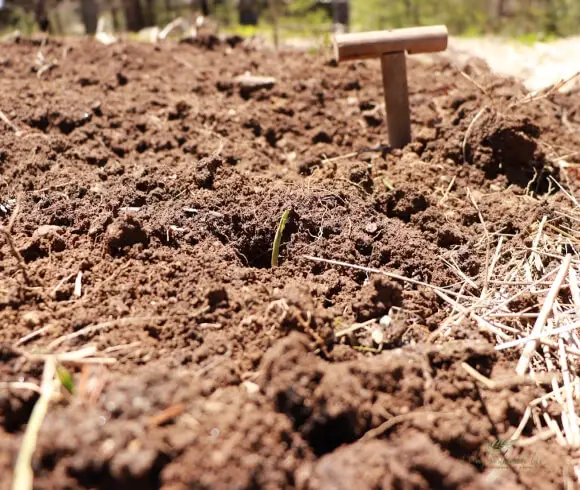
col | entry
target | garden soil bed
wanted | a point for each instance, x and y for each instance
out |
(153, 173)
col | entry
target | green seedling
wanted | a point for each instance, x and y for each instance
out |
(65, 378)
(278, 238)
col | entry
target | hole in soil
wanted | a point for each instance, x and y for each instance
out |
(328, 434)
(511, 148)
(254, 244)
(322, 432)
(41, 123)
(16, 411)
(90, 475)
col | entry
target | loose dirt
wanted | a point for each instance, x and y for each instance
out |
(151, 172)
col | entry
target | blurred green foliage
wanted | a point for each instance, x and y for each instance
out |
(527, 20)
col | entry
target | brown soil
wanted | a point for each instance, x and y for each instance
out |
(151, 171)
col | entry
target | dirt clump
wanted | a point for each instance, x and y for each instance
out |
(510, 147)
(123, 233)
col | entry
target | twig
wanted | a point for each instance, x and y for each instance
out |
(487, 243)
(10, 124)
(382, 272)
(541, 436)
(470, 79)
(353, 328)
(166, 415)
(23, 473)
(100, 326)
(501, 384)
(78, 285)
(341, 157)
(21, 264)
(495, 259)
(574, 438)
(81, 356)
(535, 257)
(14, 217)
(530, 347)
(21, 385)
(520, 293)
(385, 426)
(457, 270)
(518, 432)
(468, 132)
(59, 284)
(538, 336)
(32, 335)
(482, 323)
(447, 191)
(533, 97)
(566, 193)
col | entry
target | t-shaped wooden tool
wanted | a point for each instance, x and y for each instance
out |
(391, 46)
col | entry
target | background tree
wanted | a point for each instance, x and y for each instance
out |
(90, 15)
(133, 12)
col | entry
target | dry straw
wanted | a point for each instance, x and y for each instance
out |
(542, 330)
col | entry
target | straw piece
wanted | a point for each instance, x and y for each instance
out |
(574, 438)
(523, 423)
(546, 310)
(542, 335)
(23, 474)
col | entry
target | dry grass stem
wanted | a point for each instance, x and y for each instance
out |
(543, 316)
(33, 335)
(353, 328)
(21, 385)
(468, 132)
(530, 300)
(541, 436)
(525, 298)
(21, 264)
(23, 473)
(544, 93)
(78, 285)
(372, 270)
(9, 123)
(100, 326)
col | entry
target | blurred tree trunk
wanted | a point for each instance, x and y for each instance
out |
(115, 17)
(341, 13)
(41, 16)
(247, 13)
(90, 15)
(134, 20)
(501, 11)
(552, 13)
(275, 16)
(203, 5)
(150, 19)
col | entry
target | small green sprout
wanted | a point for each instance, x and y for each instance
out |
(278, 238)
(65, 378)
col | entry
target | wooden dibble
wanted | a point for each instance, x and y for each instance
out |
(390, 47)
